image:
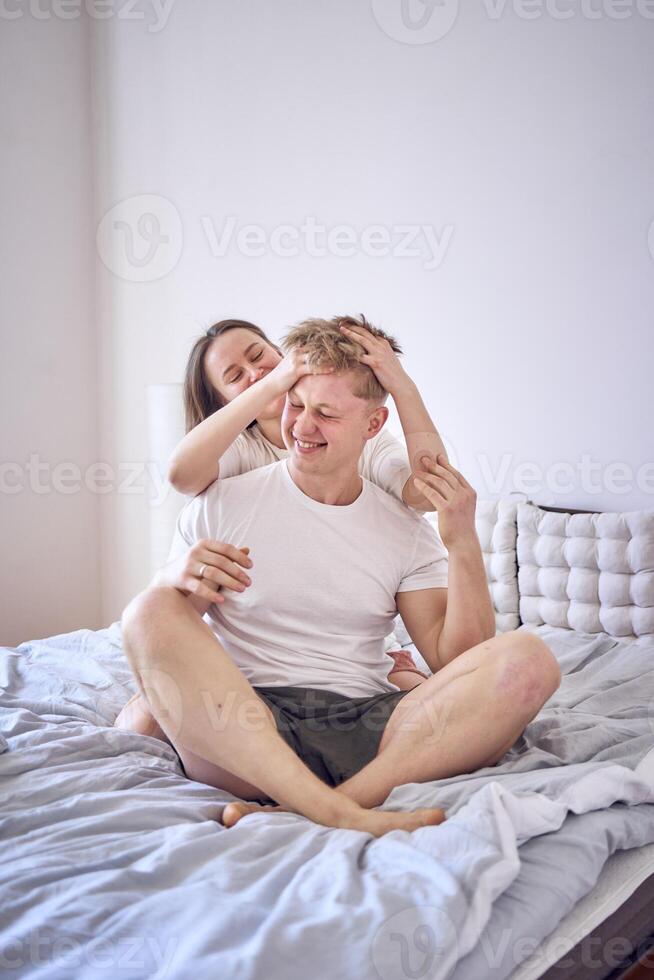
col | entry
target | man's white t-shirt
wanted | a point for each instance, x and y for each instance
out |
(324, 578)
(384, 460)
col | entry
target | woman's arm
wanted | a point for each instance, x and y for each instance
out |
(420, 434)
(195, 462)
(421, 438)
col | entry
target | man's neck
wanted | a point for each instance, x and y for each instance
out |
(336, 489)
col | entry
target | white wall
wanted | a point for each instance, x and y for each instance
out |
(530, 139)
(532, 341)
(50, 570)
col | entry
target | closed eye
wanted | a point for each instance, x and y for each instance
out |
(235, 378)
(328, 418)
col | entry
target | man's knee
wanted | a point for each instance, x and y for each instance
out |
(145, 615)
(147, 608)
(527, 670)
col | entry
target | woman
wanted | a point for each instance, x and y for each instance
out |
(234, 392)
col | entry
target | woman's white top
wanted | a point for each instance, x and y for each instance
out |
(384, 460)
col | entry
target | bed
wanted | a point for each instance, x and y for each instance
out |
(113, 864)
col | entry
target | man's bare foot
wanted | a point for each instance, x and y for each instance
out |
(375, 822)
(136, 716)
(234, 811)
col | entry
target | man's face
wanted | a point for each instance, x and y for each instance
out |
(325, 425)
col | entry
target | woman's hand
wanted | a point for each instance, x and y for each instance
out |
(290, 369)
(207, 568)
(380, 357)
(453, 498)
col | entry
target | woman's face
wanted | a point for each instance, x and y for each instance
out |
(238, 358)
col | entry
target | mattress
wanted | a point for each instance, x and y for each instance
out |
(618, 882)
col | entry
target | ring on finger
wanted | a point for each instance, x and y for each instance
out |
(202, 571)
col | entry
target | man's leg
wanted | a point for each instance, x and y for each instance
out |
(467, 716)
(209, 711)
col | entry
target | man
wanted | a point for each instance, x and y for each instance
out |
(283, 696)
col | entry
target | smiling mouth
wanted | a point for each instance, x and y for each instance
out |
(306, 448)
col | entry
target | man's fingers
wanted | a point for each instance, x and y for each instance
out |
(436, 498)
(448, 466)
(450, 475)
(436, 483)
(440, 472)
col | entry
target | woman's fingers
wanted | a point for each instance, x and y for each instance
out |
(362, 336)
(222, 579)
(224, 565)
(218, 565)
(222, 550)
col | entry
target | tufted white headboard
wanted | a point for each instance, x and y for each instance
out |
(586, 571)
(569, 568)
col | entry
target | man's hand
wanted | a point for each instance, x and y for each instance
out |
(453, 498)
(380, 357)
(206, 569)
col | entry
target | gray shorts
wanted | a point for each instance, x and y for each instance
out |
(335, 736)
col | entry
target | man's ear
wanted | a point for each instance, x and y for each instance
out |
(376, 421)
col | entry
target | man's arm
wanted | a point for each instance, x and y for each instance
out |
(470, 617)
(467, 617)
(423, 613)
(444, 622)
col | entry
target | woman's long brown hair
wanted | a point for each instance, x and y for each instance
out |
(200, 397)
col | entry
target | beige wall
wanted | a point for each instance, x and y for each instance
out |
(50, 570)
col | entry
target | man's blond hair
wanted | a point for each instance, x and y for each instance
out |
(327, 346)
